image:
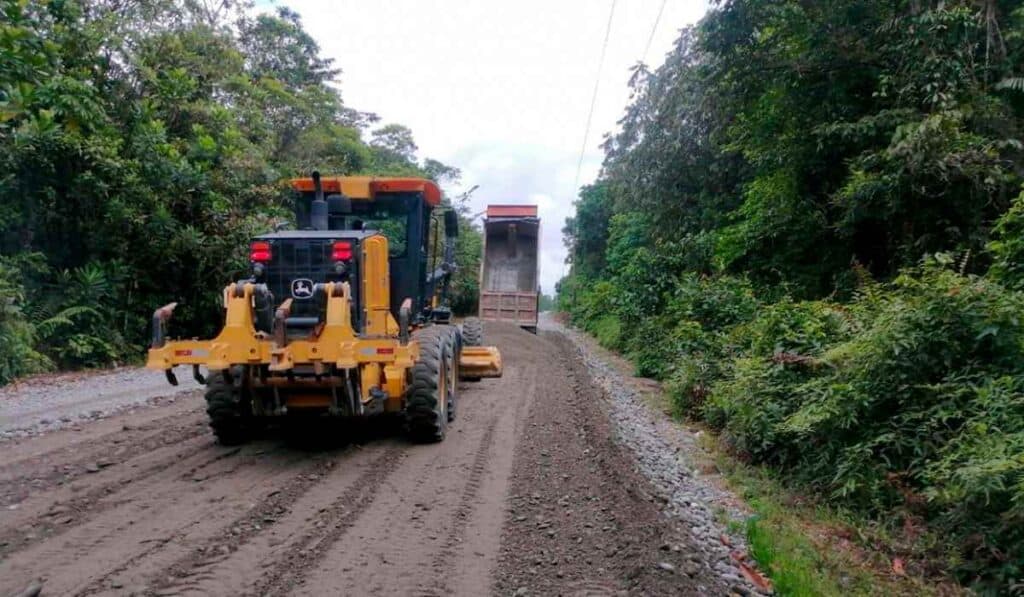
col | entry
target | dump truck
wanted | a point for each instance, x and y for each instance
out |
(345, 316)
(509, 288)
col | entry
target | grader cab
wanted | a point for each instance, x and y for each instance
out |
(346, 316)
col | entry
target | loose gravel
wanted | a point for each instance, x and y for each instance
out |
(50, 402)
(668, 454)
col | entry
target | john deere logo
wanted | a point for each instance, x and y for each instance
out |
(302, 288)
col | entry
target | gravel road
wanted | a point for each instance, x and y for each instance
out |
(539, 489)
(50, 402)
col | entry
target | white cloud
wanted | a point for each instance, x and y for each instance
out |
(498, 89)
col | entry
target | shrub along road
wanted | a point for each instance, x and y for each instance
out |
(532, 493)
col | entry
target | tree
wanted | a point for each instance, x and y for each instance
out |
(141, 146)
(394, 149)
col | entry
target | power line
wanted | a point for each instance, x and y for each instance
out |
(593, 99)
(657, 20)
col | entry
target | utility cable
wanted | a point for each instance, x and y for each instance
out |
(657, 20)
(593, 99)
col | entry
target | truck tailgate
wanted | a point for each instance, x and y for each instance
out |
(518, 307)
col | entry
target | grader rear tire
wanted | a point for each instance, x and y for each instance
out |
(473, 332)
(453, 376)
(427, 409)
(226, 408)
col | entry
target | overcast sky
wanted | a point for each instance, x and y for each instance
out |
(500, 90)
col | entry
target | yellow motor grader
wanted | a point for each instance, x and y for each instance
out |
(345, 316)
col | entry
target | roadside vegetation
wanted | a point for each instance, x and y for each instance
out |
(810, 227)
(141, 145)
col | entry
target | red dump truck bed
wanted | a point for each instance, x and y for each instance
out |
(509, 289)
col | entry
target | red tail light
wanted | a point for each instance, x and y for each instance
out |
(259, 252)
(342, 251)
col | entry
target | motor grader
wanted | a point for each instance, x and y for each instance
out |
(345, 316)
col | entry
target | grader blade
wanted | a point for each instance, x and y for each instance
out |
(479, 361)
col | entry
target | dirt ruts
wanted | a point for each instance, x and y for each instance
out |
(529, 494)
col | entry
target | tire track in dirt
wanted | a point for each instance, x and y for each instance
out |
(82, 507)
(221, 478)
(159, 512)
(381, 518)
(459, 520)
(436, 530)
(40, 472)
(180, 575)
(307, 550)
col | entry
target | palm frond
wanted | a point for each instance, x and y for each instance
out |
(1014, 83)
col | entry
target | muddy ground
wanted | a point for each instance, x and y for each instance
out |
(530, 494)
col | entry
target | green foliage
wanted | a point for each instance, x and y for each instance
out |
(80, 319)
(772, 233)
(1007, 248)
(607, 330)
(17, 351)
(465, 286)
(788, 558)
(141, 145)
(586, 233)
(920, 412)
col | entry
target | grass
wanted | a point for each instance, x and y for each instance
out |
(810, 549)
(793, 563)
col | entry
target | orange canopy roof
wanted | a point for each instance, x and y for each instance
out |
(367, 187)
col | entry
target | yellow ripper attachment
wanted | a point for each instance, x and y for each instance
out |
(381, 361)
(237, 343)
(480, 361)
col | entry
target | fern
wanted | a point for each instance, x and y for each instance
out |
(67, 317)
(1014, 83)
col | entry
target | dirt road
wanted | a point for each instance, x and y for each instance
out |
(530, 494)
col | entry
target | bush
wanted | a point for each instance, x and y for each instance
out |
(921, 411)
(714, 302)
(607, 330)
(781, 350)
(701, 310)
(975, 484)
(81, 317)
(1007, 248)
(17, 336)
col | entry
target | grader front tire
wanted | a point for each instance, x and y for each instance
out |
(454, 355)
(473, 332)
(433, 390)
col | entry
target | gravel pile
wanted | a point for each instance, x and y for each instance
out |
(666, 454)
(50, 402)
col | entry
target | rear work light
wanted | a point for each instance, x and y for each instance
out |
(259, 252)
(342, 251)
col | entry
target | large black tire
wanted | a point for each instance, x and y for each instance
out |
(472, 332)
(455, 355)
(432, 385)
(229, 414)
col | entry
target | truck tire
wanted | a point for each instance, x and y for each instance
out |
(230, 422)
(473, 332)
(426, 412)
